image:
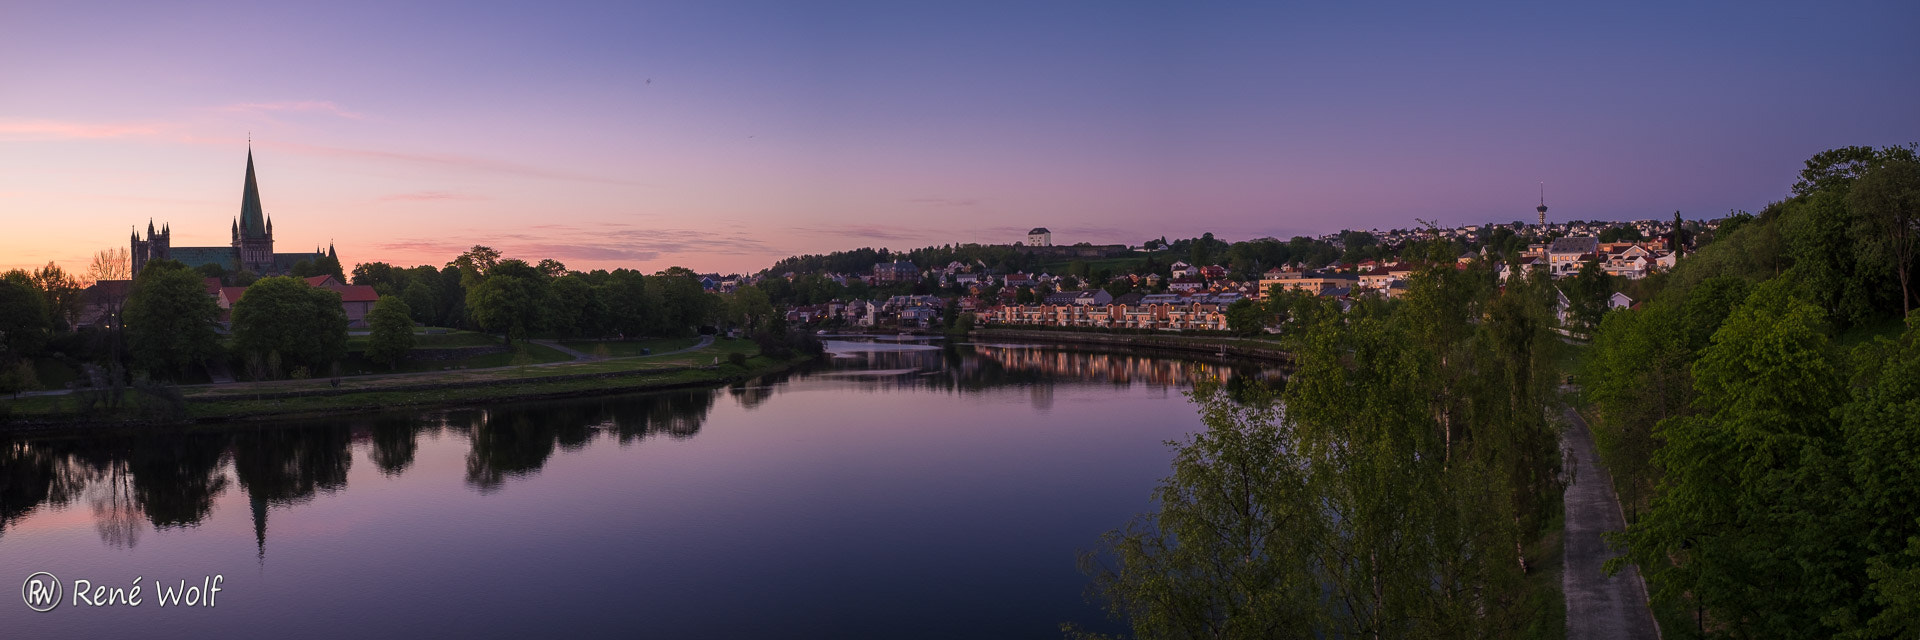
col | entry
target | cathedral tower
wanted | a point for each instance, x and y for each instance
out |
(253, 233)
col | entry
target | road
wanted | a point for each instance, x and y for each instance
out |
(1599, 607)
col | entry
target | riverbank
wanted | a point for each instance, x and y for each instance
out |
(1248, 348)
(302, 398)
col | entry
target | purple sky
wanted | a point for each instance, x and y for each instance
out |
(723, 136)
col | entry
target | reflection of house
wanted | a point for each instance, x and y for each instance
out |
(1165, 311)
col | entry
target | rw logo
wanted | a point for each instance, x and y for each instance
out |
(41, 591)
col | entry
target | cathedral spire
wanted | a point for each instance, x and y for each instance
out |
(252, 219)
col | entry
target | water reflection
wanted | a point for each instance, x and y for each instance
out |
(173, 478)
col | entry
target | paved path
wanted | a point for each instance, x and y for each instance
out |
(1599, 607)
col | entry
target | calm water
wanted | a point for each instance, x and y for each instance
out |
(900, 490)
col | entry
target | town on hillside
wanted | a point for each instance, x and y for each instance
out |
(1142, 290)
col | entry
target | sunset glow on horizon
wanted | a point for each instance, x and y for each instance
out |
(724, 138)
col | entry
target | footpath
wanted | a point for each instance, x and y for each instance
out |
(1599, 606)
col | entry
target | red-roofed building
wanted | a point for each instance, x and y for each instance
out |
(358, 300)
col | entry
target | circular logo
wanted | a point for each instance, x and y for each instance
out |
(41, 591)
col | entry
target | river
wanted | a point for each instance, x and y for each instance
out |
(899, 489)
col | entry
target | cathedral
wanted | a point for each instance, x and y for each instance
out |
(252, 248)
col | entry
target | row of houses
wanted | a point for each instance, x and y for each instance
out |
(904, 311)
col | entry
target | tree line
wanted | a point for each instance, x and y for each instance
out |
(1761, 414)
(168, 328)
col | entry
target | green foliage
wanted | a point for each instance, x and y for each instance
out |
(391, 334)
(1246, 317)
(510, 300)
(24, 327)
(18, 376)
(290, 324)
(1587, 293)
(1392, 497)
(169, 320)
(1887, 198)
(60, 293)
(1836, 169)
(575, 311)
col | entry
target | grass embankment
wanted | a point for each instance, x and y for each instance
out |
(1545, 595)
(441, 388)
(628, 348)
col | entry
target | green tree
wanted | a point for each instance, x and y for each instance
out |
(284, 319)
(1882, 427)
(1752, 481)
(576, 311)
(511, 300)
(1836, 169)
(1587, 296)
(23, 316)
(474, 264)
(61, 293)
(1230, 553)
(1246, 317)
(1888, 197)
(422, 301)
(391, 335)
(169, 319)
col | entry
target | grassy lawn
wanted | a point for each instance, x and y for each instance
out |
(202, 402)
(628, 348)
(522, 354)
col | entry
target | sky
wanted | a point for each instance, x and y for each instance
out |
(723, 136)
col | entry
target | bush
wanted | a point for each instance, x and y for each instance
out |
(737, 359)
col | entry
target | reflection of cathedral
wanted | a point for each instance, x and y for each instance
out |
(251, 251)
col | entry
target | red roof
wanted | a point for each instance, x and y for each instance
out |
(321, 281)
(355, 292)
(212, 285)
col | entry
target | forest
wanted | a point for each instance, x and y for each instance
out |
(1761, 414)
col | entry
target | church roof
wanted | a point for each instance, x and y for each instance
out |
(283, 262)
(196, 256)
(253, 220)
